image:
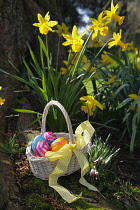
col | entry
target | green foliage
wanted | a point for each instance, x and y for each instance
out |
(38, 195)
(127, 195)
(101, 150)
(100, 155)
(35, 201)
(49, 84)
(12, 147)
(115, 95)
(81, 204)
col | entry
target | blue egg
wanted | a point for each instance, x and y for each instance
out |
(35, 141)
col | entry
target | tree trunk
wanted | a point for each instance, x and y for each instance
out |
(16, 29)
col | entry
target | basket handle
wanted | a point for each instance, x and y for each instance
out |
(45, 112)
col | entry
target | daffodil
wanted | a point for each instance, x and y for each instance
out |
(62, 69)
(87, 64)
(112, 14)
(106, 58)
(111, 79)
(131, 47)
(73, 58)
(62, 29)
(2, 100)
(117, 41)
(45, 25)
(95, 75)
(91, 104)
(68, 68)
(97, 42)
(135, 97)
(98, 26)
(75, 40)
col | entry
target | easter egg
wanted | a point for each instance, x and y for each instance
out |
(35, 141)
(58, 144)
(41, 148)
(49, 136)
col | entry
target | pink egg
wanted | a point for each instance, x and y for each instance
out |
(49, 136)
(41, 148)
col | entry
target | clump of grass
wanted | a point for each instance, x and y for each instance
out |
(12, 147)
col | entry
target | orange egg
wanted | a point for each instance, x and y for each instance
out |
(58, 144)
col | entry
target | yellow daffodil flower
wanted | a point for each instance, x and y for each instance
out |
(91, 104)
(112, 14)
(75, 40)
(97, 42)
(95, 75)
(106, 58)
(64, 70)
(131, 47)
(87, 64)
(117, 41)
(111, 79)
(134, 97)
(62, 29)
(74, 57)
(98, 26)
(45, 25)
(2, 100)
(85, 59)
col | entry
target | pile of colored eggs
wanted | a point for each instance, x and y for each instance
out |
(48, 142)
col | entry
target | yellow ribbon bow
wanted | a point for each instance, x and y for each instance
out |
(83, 134)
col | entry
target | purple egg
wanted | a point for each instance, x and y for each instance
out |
(49, 136)
(35, 141)
(41, 148)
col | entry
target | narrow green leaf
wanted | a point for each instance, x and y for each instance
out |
(123, 103)
(27, 111)
(119, 89)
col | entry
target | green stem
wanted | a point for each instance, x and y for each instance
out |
(97, 55)
(58, 52)
(48, 58)
(81, 54)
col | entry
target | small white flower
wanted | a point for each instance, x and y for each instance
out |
(94, 173)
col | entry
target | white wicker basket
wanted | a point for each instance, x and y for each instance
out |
(41, 167)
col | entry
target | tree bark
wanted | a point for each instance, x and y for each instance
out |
(16, 29)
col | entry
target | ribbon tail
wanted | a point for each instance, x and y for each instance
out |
(84, 169)
(86, 129)
(53, 178)
(89, 186)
